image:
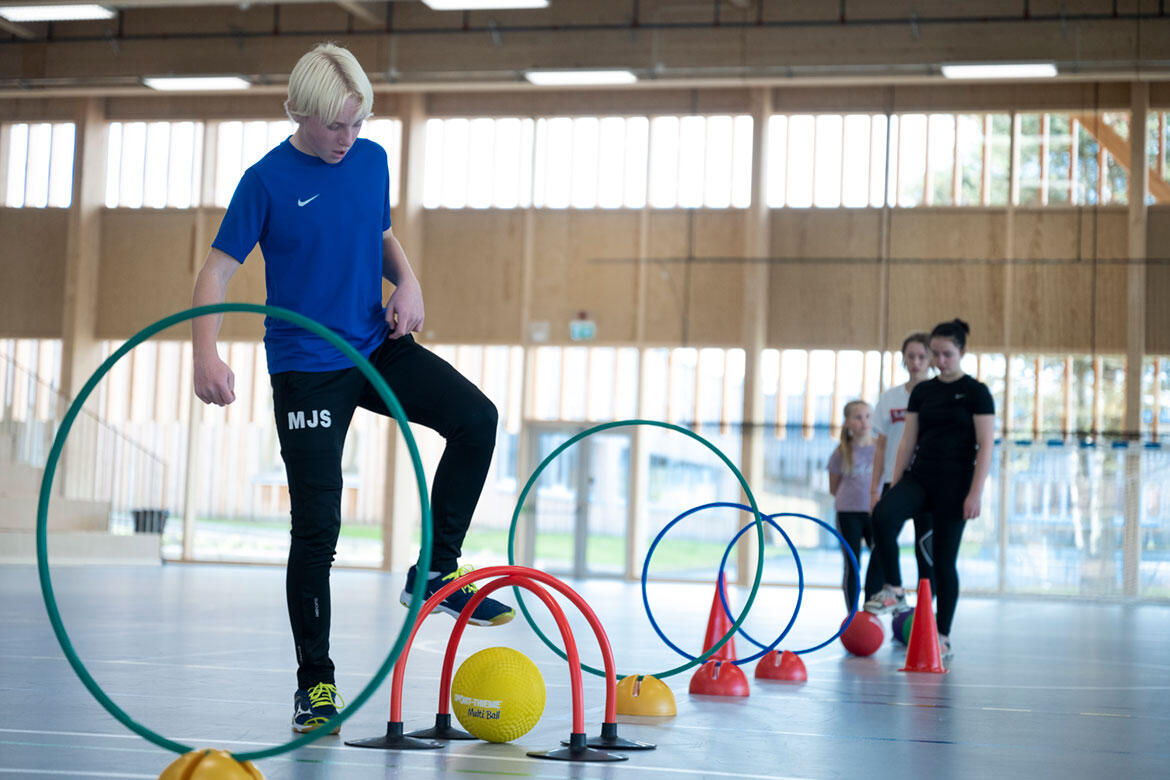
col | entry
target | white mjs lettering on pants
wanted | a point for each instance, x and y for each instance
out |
(297, 420)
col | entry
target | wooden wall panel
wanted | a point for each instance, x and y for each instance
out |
(471, 271)
(258, 103)
(715, 305)
(824, 280)
(1158, 281)
(1109, 233)
(667, 299)
(1055, 283)
(633, 102)
(247, 286)
(947, 234)
(32, 273)
(586, 261)
(37, 110)
(147, 272)
(695, 285)
(924, 294)
(950, 97)
(946, 264)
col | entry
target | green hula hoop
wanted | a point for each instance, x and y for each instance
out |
(747, 492)
(392, 404)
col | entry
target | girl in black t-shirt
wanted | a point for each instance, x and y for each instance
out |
(943, 461)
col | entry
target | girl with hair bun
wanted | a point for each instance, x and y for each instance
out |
(942, 464)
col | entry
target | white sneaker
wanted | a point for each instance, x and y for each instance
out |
(944, 644)
(885, 600)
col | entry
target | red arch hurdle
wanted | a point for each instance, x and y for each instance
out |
(579, 748)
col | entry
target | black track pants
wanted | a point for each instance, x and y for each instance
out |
(313, 412)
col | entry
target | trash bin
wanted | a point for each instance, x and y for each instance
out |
(149, 521)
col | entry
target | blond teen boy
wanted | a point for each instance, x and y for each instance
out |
(318, 205)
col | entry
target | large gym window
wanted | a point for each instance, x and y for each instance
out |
(834, 160)
(38, 161)
(154, 164)
(589, 162)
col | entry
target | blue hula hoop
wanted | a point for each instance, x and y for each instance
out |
(844, 547)
(764, 649)
(719, 580)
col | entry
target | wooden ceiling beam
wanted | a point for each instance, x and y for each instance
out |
(359, 10)
(19, 30)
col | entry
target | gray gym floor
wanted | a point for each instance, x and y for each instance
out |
(201, 654)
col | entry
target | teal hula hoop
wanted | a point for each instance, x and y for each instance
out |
(424, 557)
(759, 523)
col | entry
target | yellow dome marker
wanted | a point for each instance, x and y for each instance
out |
(645, 695)
(207, 764)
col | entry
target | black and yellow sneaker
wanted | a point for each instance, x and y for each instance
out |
(489, 612)
(314, 707)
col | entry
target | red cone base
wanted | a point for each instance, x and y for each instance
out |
(785, 666)
(923, 654)
(719, 678)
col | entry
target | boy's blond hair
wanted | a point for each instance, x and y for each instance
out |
(322, 80)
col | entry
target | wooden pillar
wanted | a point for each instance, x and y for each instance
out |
(639, 484)
(885, 219)
(1135, 327)
(1044, 142)
(1157, 405)
(1003, 530)
(755, 326)
(80, 348)
(637, 505)
(399, 502)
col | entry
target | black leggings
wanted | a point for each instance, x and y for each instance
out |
(313, 412)
(942, 494)
(855, 526)
(923, 548)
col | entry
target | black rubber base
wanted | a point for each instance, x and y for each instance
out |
(441, 730)
(395, 740)
(609, 739)
(577, 751)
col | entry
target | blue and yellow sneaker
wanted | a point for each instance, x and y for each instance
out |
(489, 612)
(312, 708)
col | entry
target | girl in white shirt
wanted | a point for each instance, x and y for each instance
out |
(889, 418)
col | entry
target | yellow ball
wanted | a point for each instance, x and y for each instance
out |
(498, 694)
(208, 764)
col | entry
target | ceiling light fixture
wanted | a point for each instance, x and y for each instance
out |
(55, 13)
(195, 83)
(484, 5)
(576, 78)
(1004, 70)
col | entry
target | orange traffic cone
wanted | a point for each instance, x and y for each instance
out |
(923, 653)
(718, 624)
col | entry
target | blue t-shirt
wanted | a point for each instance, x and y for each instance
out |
(320, 229)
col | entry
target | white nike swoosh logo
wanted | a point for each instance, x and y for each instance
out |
(306, 202)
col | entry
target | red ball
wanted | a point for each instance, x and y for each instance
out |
(864, 635)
